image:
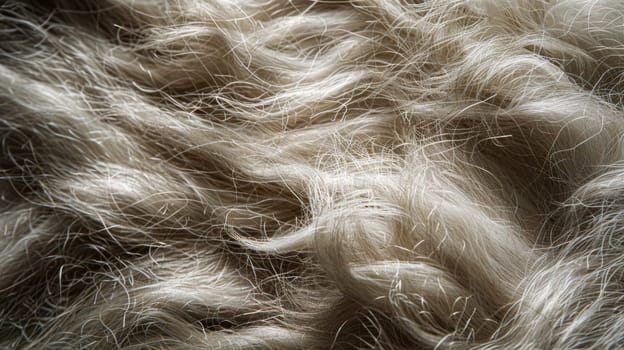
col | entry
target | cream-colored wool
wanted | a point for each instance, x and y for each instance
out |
(290, 174)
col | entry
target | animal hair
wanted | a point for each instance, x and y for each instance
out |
(296, 174)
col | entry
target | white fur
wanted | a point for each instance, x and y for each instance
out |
(311, 174)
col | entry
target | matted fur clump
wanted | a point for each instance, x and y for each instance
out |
(290, 174)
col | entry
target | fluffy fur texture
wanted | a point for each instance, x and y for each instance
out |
(290, 174)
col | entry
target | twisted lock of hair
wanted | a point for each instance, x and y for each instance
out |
(311, 174)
